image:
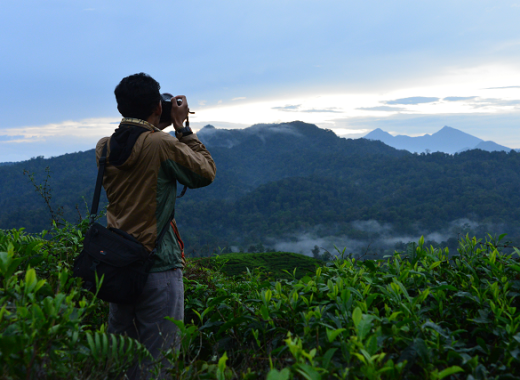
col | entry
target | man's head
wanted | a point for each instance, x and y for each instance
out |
(138, 96)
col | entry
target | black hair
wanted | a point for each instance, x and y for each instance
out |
(137, 96)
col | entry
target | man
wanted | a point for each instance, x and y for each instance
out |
(144, 165)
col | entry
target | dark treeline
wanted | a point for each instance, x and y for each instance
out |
(416, 195)
(273, 185)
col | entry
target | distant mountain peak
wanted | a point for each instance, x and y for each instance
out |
(447, 139)
(378, 134)
(448, 128)
(449, 131)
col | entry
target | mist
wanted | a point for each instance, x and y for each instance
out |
(379, 239)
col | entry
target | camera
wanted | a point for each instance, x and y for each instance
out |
(166, 101)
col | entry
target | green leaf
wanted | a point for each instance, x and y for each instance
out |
(515, 267)
(371, 345)
(222, 367)
(449, 371)
(308, 372)
(105, 345)
(356, 316)
(39, 285)
(274, 374)
(92, 347)
(332, 334)
(327, 357)
(113, 339)
(30, 281)
(435, 265)
(364, 326)
(435, 327)
(444, 287)
(422, 350)
(403, 289)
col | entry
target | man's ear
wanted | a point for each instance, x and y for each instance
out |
(158, 110)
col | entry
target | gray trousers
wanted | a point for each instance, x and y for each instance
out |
(163, 296)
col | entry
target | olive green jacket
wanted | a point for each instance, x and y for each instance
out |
(142, 191)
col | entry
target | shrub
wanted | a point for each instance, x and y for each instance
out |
(43, 316)
(419, 314)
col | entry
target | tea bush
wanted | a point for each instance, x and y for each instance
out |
(416, 315)
(419, 314)
(44, 316)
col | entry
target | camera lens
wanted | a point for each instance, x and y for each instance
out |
(166, 97)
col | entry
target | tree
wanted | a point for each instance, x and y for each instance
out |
(316, 252)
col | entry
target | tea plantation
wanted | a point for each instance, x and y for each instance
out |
(415, 315)
(273, 265)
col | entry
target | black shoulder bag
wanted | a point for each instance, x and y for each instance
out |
(122, 261)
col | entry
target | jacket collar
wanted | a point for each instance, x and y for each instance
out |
(139, 123)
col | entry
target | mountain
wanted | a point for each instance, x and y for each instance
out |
(245, 159)
(447, 140)
(294, 183)
(489, 146)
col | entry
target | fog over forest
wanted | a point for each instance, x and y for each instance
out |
(381, 238)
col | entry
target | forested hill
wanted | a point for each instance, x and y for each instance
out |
(408, 197)
(262, 153)
(247, 158)
(277, 181)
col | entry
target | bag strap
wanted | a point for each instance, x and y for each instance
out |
(99, 182)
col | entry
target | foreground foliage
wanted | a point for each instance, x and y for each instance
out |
(46, 321)
(271, 264)
(415, 315)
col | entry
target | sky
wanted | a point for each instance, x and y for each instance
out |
(407, 67)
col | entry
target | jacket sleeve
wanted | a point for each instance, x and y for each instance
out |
(187, 161)
(99, 149)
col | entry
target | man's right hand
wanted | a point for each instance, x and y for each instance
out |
(179, 113)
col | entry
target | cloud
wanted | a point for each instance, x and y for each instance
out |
(326, 110)
(341, 132)
(11, 137)
(239, 98)
(413, 100)
(297, 108)
(494, 102)
(218, 124)
(371, 226)
(459, 98)
(261, 129)
(501, 88)
(382, 108)
(380, 237)
(303, 243)
(22, 143)
(289, 108)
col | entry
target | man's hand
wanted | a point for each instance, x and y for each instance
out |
(179, 113)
